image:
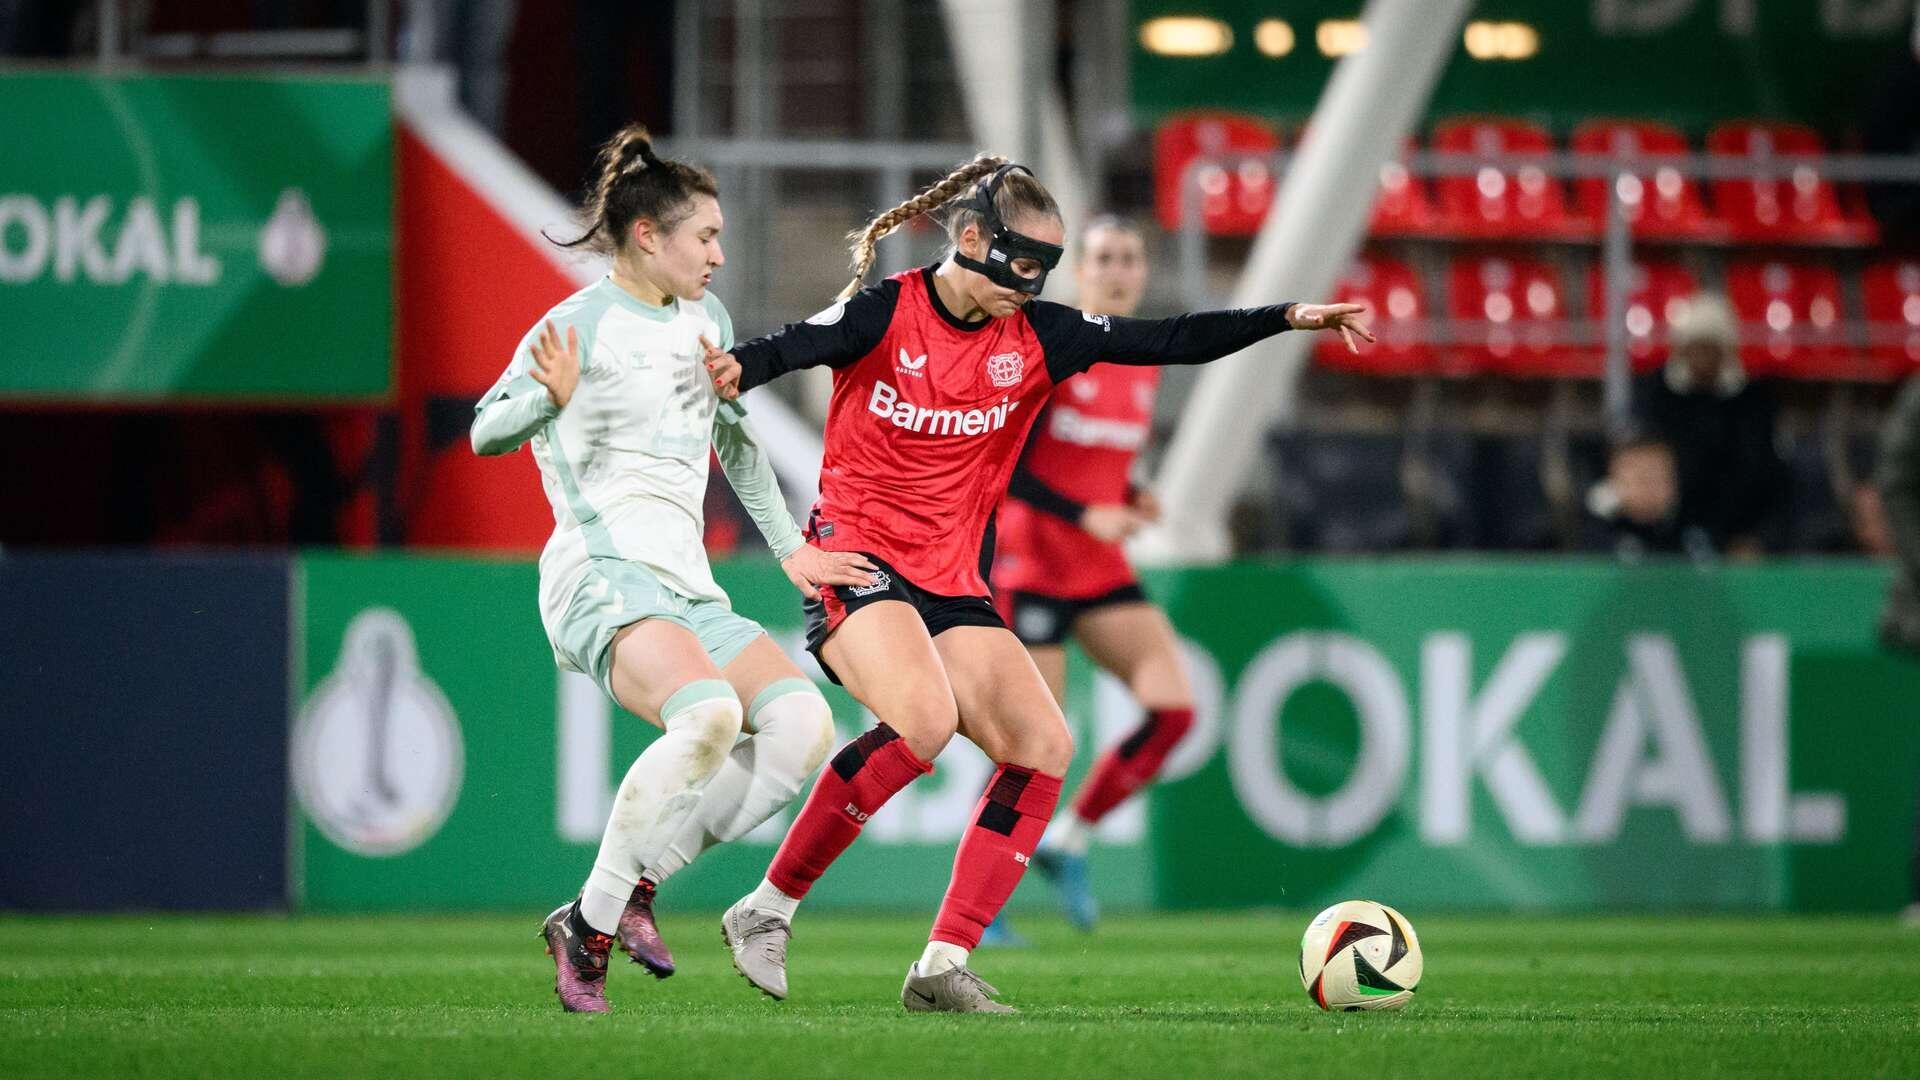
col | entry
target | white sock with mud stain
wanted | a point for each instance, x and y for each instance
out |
(791, 731)
(702, 720)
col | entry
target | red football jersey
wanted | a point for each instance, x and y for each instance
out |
(929, 413)
(922, 433)
(1083, 448)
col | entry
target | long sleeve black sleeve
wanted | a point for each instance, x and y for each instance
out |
(833, 338)
(1034, 491)
(1075, 341)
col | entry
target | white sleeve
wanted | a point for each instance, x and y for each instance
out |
(511, 415)
(515, 409)
(750, 472)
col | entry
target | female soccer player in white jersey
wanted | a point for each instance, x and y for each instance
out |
(610, 389)
(938, 374)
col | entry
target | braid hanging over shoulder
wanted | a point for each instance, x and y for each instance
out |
(951, 187)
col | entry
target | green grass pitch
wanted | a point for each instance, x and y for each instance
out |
(1199, 995)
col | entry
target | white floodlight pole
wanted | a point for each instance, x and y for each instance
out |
(1319, 217)
(1014, 104)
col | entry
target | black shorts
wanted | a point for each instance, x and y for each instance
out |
(939, 613)
(1048, 620)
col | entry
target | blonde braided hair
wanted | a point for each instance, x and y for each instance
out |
(944, 191)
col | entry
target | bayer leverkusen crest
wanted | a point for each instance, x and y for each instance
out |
(1006, 369)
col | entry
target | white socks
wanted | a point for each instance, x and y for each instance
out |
(768, 898)
(792, 733)
(1071, 836)
(940, 956)
(661, 789)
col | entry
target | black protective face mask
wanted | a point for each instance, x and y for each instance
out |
(1003, 244)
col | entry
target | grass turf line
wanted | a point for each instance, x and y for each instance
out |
(1213, 995)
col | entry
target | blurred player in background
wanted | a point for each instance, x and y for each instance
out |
(1059, 571)
(610, 389)
(938, 375)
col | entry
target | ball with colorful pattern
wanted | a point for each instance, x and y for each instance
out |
(1360, 955)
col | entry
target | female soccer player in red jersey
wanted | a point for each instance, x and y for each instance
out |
(938, 374)
(1059, 570)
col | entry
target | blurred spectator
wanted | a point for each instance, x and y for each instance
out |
(1720, 425)
(1637, 504)
(472, 35)
(1867, 513)
(1899, 481)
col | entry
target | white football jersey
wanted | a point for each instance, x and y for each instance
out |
(624, 465)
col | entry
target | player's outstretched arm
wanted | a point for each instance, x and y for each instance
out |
(1345, 318)
(1076, 341)
(527, 398)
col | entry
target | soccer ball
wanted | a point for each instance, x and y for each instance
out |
(1359, 955)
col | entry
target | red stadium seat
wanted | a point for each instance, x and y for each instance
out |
(1234, 200)
(1510, 316)
(1403, 207)
(1397, 312)
(1791, 318)
(1658, 287)
(1519, 202)
(1661, 203)
(1891, 293)
(1797, 209)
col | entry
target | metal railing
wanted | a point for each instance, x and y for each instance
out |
(372, 45)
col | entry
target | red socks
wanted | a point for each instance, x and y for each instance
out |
(856, 783)
(993, 854)
(1128, 767)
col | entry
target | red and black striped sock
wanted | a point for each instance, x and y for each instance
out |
(993, 854)
(856, 783)
(1130, 766)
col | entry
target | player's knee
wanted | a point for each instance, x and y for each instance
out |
(926, 721)
(792, 714)
(708, 715)
(1048, 748)
(1160, 682)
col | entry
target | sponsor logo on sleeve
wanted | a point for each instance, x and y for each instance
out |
(829, 315)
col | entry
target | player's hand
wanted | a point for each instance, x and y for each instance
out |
(1146, 504)
(1342, 317)
(1111, 523)
(556, 366)
(725, 371)
(809, 567)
